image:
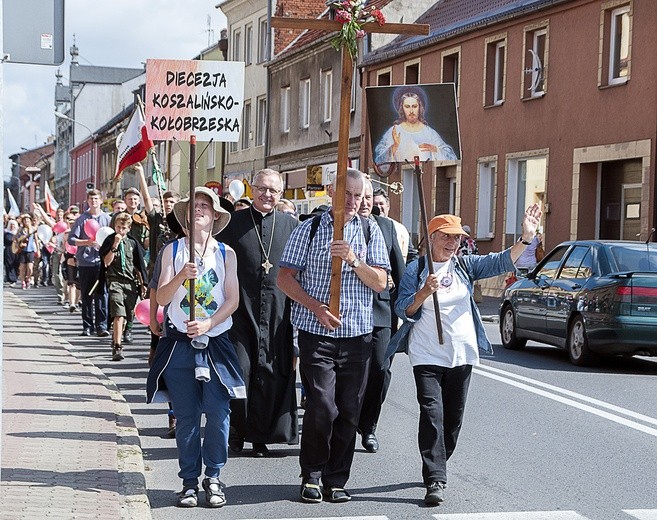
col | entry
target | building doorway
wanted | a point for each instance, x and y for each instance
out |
(620, 200)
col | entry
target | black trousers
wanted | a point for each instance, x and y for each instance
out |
(334, 374)
(94, 306)
(441, 393)
(378, 381)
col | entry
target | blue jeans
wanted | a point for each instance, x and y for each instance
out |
(191, 398)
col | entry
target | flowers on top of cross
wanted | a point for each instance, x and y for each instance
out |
(353, 14)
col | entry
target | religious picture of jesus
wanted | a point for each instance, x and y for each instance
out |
(413, 120)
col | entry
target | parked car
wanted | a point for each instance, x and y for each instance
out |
(587, 296)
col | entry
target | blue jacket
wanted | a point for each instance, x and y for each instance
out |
(468, 268)
(220, 354)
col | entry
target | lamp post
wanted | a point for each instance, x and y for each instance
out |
(60, 115)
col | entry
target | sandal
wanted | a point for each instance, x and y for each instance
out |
(336, 495)
(310, 491)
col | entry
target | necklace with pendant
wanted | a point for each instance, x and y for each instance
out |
(200, 263)
(266, 265)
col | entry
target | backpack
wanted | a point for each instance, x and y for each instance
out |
(314, 225)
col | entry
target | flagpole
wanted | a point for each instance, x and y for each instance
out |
(192, 194)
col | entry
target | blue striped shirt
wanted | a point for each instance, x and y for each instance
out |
(313, 261)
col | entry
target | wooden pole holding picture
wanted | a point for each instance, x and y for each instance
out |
(427, 243)
(358, 22)
(190, 227)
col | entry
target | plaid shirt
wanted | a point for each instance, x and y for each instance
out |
(313, 261)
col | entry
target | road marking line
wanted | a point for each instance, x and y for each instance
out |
(575, 395)
(335, 518)
(605, 415)
(524, 515)
(642, 514)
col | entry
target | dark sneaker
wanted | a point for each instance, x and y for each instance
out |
(117, 353)
(127, 337)
(102, 333)
(171, 431)
(86, 332)
(336, 495)
(435, 494)
(260, 449)
(214, 495)
(310, 491)
(188, 497)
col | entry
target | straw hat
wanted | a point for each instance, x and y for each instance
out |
(181, 210)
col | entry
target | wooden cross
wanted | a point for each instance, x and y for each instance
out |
(343, 131)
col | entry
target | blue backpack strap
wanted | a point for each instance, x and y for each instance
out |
(222, 248)
(173, 256)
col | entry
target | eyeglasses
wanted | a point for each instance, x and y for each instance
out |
(263, 189)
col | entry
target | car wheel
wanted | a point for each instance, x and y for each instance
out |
(508, 330)
(578, 344)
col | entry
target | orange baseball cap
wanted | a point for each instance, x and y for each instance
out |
(448, 224)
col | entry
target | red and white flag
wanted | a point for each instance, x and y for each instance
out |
(51, 203)
(134, 145)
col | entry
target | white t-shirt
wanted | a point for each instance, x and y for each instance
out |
(459, 336)
(208, 291)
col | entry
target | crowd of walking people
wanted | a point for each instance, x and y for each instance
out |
(237, 299)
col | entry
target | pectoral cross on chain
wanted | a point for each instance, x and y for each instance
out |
(267, 265)
(343, 134)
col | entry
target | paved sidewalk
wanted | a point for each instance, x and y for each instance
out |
(70, 448)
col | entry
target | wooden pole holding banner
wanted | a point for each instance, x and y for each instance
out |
(343, 134)
(191, 231)
(427, 243)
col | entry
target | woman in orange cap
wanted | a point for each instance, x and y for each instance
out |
(442, 371)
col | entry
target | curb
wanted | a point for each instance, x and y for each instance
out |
(134, 501)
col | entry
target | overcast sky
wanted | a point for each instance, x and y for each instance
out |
(116, 33)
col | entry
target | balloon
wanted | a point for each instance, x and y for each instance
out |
(160, 314)
(71, 249)
(44, 233)
(91, 227)
(50, 247)
(60, 227)
(143, 312)
(236, 189)
(103, 233)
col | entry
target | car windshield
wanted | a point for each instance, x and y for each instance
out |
(635, 257)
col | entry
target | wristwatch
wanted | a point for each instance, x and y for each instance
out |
(114, 250)
(355, 263)
(523, 241)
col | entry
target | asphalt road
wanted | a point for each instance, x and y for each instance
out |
(541, 439)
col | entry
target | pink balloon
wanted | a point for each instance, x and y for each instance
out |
(160, 314)
(143, 312)
(90, 228)
(60, 227)
(71, 249)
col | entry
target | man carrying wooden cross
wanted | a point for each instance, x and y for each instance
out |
(334, 348)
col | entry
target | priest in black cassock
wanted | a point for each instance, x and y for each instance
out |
(262, 332)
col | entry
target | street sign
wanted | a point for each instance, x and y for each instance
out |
(33, 32)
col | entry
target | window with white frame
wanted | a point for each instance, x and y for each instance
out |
(211, 154)
(326, 78)
(261, 121)
(246, 132)
(619, 45)
(304, 103)
(237, 45)
(451, 69)
(495, 56)
(248, 44)
(263, 40)
(285, 109)
(486, 199)
(526, 184)
(536, 56)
